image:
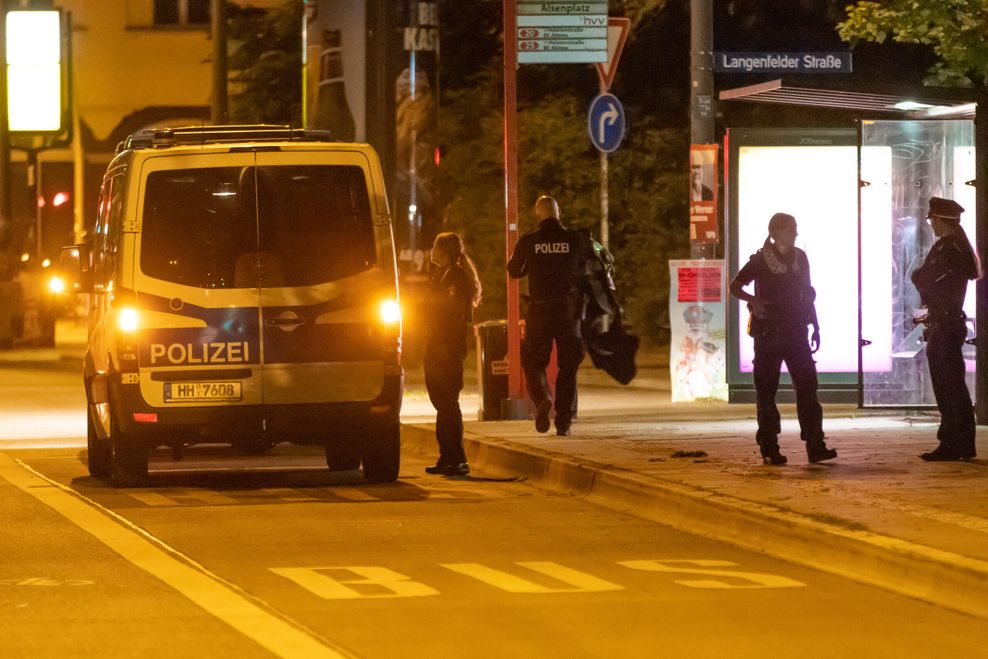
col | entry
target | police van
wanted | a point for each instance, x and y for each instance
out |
(243, 291)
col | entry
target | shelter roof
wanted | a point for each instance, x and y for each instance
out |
(942, 104)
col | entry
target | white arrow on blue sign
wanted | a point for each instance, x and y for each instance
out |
(605, 122)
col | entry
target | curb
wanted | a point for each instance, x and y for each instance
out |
(939, 577)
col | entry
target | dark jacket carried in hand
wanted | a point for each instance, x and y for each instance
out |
(942, 279)
(613, 351)
(782, 281)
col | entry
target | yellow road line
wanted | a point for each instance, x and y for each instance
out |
(222, 599)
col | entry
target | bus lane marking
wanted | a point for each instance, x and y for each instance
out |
(576, 581)
(703, 568)
(246, 614)
(370, 582)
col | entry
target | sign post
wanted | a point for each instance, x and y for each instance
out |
(617, 34)
(605, 125)
(537, 32)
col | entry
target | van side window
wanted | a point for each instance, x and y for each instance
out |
(315, 222)
(109, 225)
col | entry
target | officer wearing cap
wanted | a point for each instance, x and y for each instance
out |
(942, 285)
(554, 258)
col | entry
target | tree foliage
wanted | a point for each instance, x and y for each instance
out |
(266, 63)
(956, 30)
(648, 215)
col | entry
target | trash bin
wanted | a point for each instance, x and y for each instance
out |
(492, 367)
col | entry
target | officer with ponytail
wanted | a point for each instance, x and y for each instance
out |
(454, 294)
(782, 308)
(942, 285)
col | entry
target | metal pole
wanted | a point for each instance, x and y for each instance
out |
(701, 90)
(981, 240)
(34, 183)
(219, 108)
(604, 202)
(6, 219)
(515, 393)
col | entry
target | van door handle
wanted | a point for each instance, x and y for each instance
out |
(284, 321)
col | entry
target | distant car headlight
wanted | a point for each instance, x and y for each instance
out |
(56, 285)
(390, 312)
(128, 319)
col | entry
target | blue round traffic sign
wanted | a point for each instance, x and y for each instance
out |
(605, 122)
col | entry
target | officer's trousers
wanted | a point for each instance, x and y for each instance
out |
(444, 381)
(770, 351)
(548, 322)
(944, 352)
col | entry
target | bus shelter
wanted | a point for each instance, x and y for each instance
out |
(860, 196)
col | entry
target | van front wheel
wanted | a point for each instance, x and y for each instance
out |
(382, 454)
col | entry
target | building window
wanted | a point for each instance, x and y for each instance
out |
(181, 12)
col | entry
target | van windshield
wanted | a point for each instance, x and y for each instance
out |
(243, 227)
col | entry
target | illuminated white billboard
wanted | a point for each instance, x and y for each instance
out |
(817, 185)
(34, 71)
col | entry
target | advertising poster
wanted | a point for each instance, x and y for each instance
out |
(703, 193)
(698, 323)
(335, 66)
(416, 90)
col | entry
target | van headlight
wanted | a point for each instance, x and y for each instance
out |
(390, 312)
(128, 320)
(56, 285)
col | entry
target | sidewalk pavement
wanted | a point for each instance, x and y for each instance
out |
(876, 514)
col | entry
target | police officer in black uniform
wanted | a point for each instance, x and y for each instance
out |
(554, 258)
(453, 295)
(782, 309)
(942, 285)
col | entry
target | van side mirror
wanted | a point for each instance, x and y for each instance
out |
(73, 267)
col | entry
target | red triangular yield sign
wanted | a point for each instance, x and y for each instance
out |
(617, 33)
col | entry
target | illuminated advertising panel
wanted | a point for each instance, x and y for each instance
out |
(810, 173)
(817, 185)
(34, 71)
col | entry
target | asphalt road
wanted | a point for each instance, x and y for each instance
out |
(242, 556)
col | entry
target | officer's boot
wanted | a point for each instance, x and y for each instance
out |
(817, 451)
(770, 452)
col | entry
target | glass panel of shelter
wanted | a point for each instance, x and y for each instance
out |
(902, 165)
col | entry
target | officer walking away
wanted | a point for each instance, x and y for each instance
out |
(942, 285)
(781, 309)
(554, 258)
(453, 295)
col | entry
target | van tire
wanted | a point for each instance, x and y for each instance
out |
(98, 451)
(128, 457)
(382, 454)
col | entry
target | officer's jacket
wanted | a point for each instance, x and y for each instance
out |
(942, 279)
(783, 282)
(554, 258)
(449, 308)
